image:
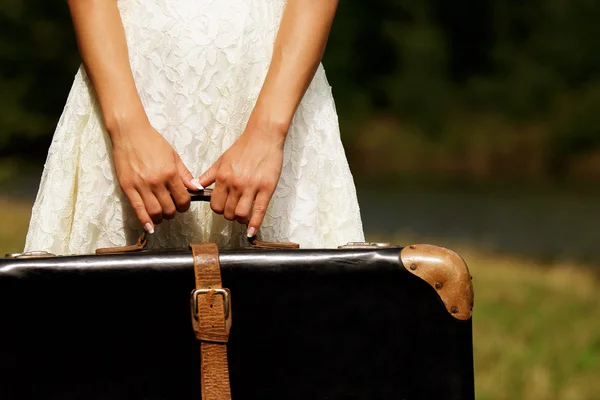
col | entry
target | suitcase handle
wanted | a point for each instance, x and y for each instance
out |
(205, 195)
(200, 195)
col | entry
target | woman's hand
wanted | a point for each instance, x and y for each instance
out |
(246, 176)
(248, 172)
(148, 169)
(152, 175)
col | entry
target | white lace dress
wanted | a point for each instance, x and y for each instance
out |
(198, 67)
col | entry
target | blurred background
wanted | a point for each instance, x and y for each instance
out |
(469, 124)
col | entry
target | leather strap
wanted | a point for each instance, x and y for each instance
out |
(141, 243)
(210, 322)
(259, 244)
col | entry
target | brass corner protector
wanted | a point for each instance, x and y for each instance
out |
(446, 272)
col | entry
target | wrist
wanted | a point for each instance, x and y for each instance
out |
(268, 123)
(267, 131)
(121, 123)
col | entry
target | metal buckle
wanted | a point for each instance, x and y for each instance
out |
(223, 292)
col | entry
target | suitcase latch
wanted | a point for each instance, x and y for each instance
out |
(30, 254)
(365, 245)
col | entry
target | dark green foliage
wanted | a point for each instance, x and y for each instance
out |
(38, 60)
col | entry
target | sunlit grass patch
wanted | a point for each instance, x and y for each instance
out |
(14, 221)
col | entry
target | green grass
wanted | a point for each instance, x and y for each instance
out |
(536, 330)
(536, 327)
(14, 221)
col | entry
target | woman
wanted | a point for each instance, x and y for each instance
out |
(183, 94)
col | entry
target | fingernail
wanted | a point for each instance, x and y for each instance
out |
(251, 232)
(196, 183)
(149, 227)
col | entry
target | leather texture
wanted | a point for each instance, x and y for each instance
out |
(139, 245)
(446, 272)
(331, 324)
(210, 324)
(260, 244)
(214, 372)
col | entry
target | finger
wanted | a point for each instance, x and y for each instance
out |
(210, 176)
(166, 202)
(244, 207)
(153, 207)
(258, 212)
(179, 194)
(186, 177)
(140, 210)
(219, 198)
(230, 205)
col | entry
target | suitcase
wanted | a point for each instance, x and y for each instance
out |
(363, 321)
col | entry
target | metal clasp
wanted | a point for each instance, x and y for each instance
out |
(223, 292)
(365, 245)
(30, 254)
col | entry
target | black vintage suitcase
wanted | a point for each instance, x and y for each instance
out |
(365, 321)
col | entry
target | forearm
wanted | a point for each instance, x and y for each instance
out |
(103, 48)
(298, 50)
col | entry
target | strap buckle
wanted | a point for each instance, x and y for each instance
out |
(226, 293)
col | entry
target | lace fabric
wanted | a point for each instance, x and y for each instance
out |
(198, 68)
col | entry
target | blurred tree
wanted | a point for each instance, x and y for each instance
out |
(38, 59)
(498, 73)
